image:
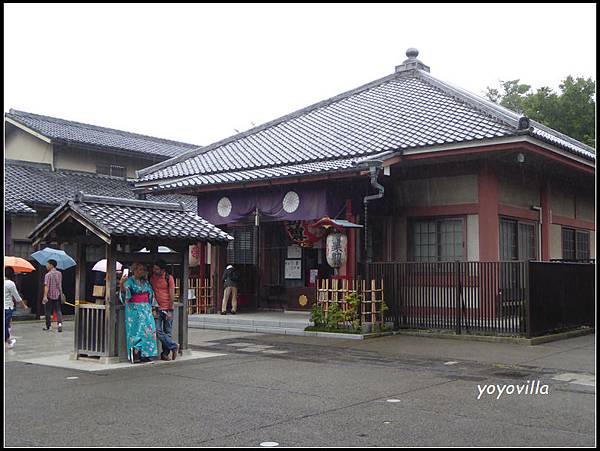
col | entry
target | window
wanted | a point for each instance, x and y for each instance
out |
(575, 244)
(517, 240)
(242, 249)
(112, 170)
(438, 240)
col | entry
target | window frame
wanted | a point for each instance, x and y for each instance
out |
(111, 167)
(437, 220)
(518, 222)
(576, 234)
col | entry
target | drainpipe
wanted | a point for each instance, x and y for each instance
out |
(374, 168)
(539, 210)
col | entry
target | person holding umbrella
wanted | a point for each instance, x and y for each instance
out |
(52, 294)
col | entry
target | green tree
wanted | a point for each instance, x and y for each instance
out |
(572, 111)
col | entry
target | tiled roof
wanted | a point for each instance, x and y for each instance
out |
(27, 186)
(224, 178)
(13, 206)
(70, 132)
(134, 218)
(407, 110)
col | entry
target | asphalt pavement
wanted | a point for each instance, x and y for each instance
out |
(302, 391)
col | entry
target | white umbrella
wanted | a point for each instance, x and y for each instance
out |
(101, 266)
(161, 250)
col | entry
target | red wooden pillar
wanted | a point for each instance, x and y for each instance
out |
(489, 234)
(546, 218)
(489, 222)
(217, 266)
(202, 260)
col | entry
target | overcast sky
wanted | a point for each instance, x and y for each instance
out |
(194, 73)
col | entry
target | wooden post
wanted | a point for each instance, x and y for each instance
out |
(185, 274)
(110, 302)
(80, 273)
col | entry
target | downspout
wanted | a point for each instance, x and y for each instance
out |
(374, 167)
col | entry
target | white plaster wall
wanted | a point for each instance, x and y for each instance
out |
(86, 160)
(473, 237)
(562, 200)
(518, 192)
(23, 146)
(585, 208)
(438, 191)
(22, 226)
(555, 241)
(400, 236)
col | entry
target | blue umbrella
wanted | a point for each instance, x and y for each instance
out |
(62, 259)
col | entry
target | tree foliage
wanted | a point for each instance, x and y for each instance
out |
(572, 111)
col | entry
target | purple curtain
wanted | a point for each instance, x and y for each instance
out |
(314, 202)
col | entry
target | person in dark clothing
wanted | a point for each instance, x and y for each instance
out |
(230, 281)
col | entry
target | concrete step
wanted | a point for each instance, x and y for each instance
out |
(282, 321)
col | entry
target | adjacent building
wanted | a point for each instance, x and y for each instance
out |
(48, 160)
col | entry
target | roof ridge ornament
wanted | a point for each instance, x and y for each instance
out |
(412, 62)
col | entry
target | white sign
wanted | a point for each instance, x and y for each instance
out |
(293, 269)
(294, 251)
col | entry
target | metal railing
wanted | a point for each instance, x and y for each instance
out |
(475, 297)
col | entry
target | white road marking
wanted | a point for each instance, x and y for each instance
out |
(574, 378)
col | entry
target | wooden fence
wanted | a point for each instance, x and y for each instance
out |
(202, 301)
(371, 297)
(90, 330)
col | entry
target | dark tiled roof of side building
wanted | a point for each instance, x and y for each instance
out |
(27, 186)
(407, 110)
(72, 133)
(116, 217)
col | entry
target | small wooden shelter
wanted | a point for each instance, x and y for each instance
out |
(124, 226)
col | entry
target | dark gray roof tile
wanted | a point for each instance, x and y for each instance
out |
(27, 186)
(396, 112)
(147, 219)
(70, 132)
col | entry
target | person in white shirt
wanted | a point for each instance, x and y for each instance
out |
(11, 297)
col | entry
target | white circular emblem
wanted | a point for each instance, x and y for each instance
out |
(291, 202)
(224, 207)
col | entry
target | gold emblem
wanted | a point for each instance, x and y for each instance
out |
(302, 300)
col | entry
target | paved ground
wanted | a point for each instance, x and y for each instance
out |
(301, 391)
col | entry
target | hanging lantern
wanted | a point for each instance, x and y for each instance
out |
(337, 249)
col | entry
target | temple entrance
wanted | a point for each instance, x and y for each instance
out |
(275, 272)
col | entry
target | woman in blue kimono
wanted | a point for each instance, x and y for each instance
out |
(140, 325)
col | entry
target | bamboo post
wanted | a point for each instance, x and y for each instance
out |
(373, 303)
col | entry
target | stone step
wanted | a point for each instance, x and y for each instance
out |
(233, 321)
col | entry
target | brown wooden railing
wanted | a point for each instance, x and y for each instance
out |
(90, 330)
(203, 301)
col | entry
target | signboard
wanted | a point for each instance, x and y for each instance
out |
(293, 269)
(294, 251)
